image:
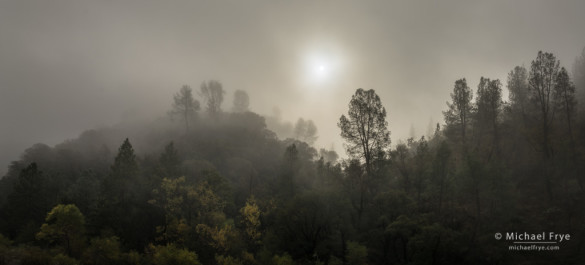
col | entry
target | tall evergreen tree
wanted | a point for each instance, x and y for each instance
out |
(123, 173)
(27, 204)
(184, 105)
(460, 109)
(489, 106)
(124, 206)
(518, 93)
(564, 97)
(579, 77)
(542, 81)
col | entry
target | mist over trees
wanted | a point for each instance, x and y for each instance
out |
(305, 131)
(460, 108)
(185, 106)
(579, 76)
(241, 101)
(365, 128)
(212, 93)
(302, 130)
(234, 187)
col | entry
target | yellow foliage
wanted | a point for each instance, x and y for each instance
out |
(218, 238)
(251, 219)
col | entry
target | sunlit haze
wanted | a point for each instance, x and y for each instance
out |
(310, 132)
(68, 66)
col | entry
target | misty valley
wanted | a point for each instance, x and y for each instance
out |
(209, 184)
(305, 132)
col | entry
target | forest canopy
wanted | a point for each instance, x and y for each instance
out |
(210, 186)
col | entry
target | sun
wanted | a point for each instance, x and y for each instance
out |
(320, 73)
(320, 70)
(321, 66)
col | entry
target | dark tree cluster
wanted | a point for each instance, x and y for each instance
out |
(221, 188)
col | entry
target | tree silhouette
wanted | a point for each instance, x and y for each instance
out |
(27, 203)
(460, 109)
(305, 131)
(241, 101)
(365, 128)
(290, 168)
(564, 97)
(579, 76)
(116, 186)
(518, 92)
(184, 105)
(169, 161)
(542, 80)
(123, 200)
(212, 92)
(489, 106)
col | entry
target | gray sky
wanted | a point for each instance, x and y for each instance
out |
(67, 66)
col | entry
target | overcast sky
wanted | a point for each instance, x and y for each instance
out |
(68, 66)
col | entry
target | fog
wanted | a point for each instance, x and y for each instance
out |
(68, 66)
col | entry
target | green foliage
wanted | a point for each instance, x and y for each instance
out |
(357, 254)
(103, 251)
(62, 259)
(227, 260)
(171, 196)
(284, 259)
(430, 200)
(171, 255)
(64, 225)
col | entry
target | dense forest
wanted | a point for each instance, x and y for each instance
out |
(212, 186)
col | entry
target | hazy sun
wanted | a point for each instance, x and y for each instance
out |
(321, 65)
(318, 68)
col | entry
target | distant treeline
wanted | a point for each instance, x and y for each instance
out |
(217, 187)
